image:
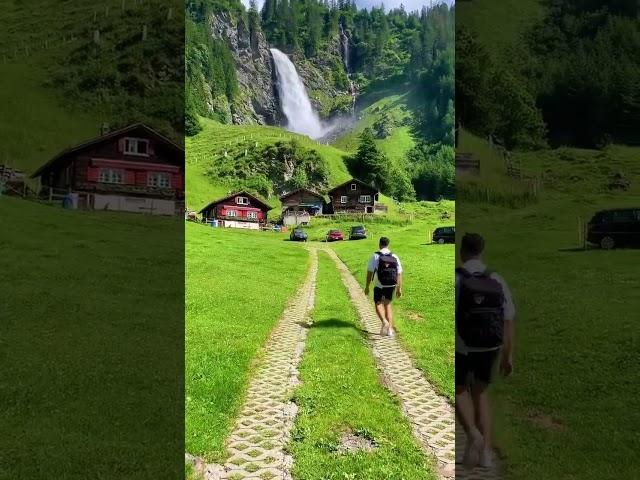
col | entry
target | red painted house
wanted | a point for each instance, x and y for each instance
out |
(237, 210)
(133, 169)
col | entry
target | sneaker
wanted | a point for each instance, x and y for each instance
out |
(385, 330)
(486, 458)
(392, 332)
(472, 450)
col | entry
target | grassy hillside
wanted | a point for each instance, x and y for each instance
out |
(91, 339)
(57, 88)
(398, 107)
(215, 138)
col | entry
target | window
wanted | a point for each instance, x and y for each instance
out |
(110, 175)
(231, 213)
(162, 180)
(365, 199)
(623, 216)
(343, 199)
(252, 215)
(242, 200)
(136, 146)
(354, 186)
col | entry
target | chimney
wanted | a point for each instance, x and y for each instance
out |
(104, 129)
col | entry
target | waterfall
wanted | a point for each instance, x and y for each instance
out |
(344, 43)
(301, 118)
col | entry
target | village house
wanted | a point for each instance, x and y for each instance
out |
(133, 169)
(300, 205)
(353, 196)
(237, 210)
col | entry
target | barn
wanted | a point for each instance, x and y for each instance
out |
(133, 169)
(237, 210)
(353, 196)
(300, 205)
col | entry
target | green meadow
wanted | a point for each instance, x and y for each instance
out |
(341, 394)
(91, 327)
(573, 308)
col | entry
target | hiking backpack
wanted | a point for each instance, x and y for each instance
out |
(387, 269)
(480, 313)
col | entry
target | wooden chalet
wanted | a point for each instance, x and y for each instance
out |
(132, 169)
(237, 210)
(353, 196)
(300, 205)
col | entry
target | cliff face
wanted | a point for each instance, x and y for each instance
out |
(324, 76)
(257, 102)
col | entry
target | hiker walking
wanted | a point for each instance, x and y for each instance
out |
(484, 329)
(387, 269)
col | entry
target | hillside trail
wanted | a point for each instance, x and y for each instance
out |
(261, 431)
(430, 414)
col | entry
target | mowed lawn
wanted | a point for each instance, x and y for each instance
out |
(425, 313)
(341, 394)
(91, 343)
(577, 345)
(237, 286)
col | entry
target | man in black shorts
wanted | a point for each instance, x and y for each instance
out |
(474, 365)
(386, 267)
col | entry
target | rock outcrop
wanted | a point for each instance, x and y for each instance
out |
(257, 102)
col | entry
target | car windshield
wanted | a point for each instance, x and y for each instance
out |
(357, 229)
(334, 231)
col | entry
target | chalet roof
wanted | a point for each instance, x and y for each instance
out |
(311, 192)
(62, 157)
(354, 180)
(235, 194)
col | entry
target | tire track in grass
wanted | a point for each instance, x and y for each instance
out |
(430, 414)
(256, 444)
(341, 394)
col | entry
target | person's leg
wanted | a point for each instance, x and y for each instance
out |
(481, 402)
(466, 412)
(388, 311)
(377, 298)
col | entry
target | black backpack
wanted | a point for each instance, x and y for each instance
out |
(480, 312)
(387, 269)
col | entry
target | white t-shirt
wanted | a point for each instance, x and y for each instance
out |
(373, 265)
(476, 266)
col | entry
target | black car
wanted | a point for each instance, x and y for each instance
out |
(615, 228)
(444, 235)
(298, 235)
(357, 233)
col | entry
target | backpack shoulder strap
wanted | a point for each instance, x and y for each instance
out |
(464, 272)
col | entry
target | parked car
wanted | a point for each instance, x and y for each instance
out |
(358, 232)
(334, 235)
(298, 235)
(444, 235)
(615, 228)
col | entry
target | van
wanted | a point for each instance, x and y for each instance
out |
(615, 228)
(444, 235)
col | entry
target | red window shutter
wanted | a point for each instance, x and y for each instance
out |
(121, 145)
(129, 177)
(92, 174)
(141, 178)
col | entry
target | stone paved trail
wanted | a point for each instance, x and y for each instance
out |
(256, 444)
(431, 415)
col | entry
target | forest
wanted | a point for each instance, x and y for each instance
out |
(572, 79)
(387, 49)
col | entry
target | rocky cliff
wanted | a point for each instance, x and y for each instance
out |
(324, 76)
(257, 101)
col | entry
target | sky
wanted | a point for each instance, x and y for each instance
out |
(409, 5)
